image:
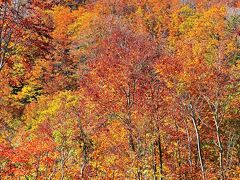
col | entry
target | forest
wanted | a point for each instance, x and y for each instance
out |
(119, 89)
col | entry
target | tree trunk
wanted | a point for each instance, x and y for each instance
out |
(199, 147)
(160, 153)
(216, 122)
(198, 140)
(154, 165)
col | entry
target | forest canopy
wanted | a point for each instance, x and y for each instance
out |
(120, 89)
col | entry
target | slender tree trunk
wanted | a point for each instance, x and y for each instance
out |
(86, 145)
(199, 147)
(198, 140)
(160, 153)
(219, 142)
(154, 164)
(220, 153)
(82, 170)
(129, 103)
(84, 162)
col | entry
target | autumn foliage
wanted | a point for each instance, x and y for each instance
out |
(127, 89)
